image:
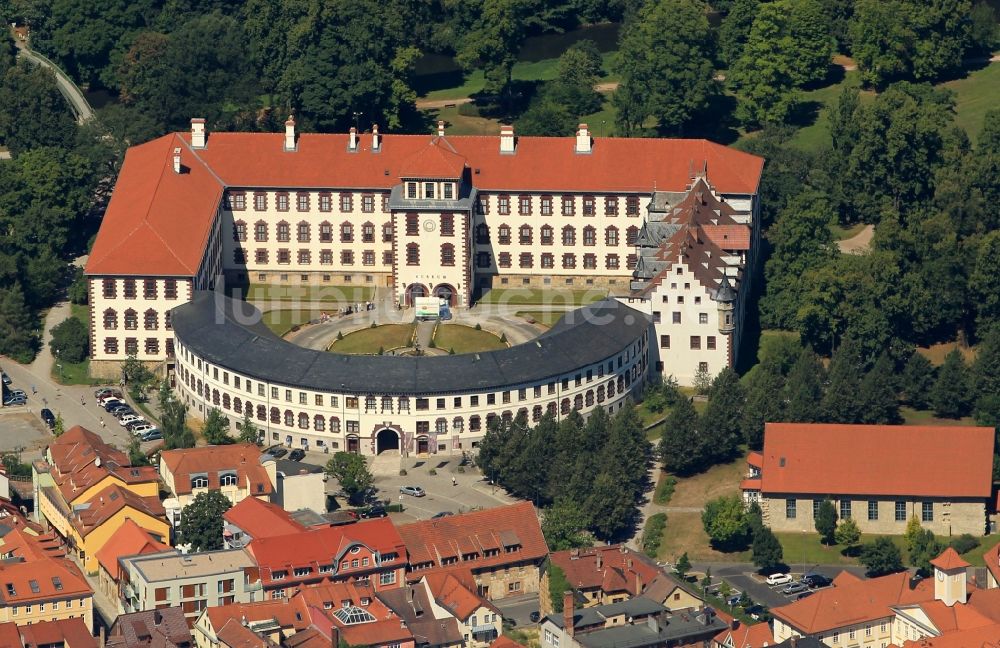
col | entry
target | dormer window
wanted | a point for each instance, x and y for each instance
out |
(429, 190)
(228, 479)
(449, 190)
(411, 190)
(200, 481)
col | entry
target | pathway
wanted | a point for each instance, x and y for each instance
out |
(858, 243)
(79, 104)
(425, 333)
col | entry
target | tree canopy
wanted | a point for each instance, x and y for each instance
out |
(201, 521)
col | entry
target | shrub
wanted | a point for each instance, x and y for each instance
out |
(479, 327)
(964, 543)
(373, 325)
(71, 340)
(433, 344)
(394, 508)
(665, 490)
(653, 534)
(468, 109)
(503, 338)
(340, 335)
(451, 351)
(432, 472)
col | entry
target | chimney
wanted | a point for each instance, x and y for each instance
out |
(177, 165)
(440, 128)
(352, 140)
(334, 636)
(638, 583)
(734, 624)
(290, 134)
(197, 133)
(507, 140)
(583, 141)
(568, 612)
(376, 140)
(157, 617)
(599, 558)
(101, 637)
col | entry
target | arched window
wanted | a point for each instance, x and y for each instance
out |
(131, 320)
(590, 397)
(262, 413)
(225, 401)
(621, 383)
(589, 235)
(238, 405)
(546, 235)
(564, 406)
(578, 402)
(110, 319)
(319, 423)
(289, 418)
(503, 234)
(334, 424)
(198, 390)
(523, 413)
(302, 232)
(611, 236)
(507, 416)
(491, 420)
(240, 230)
(524, 235)
(275, 415)
(199, 482)
(215, 397)
(303, 420)
(228, 479)
(536, 413)
(569, 235)
(611, 388)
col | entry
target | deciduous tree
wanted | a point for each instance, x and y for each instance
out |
(950, 395)
(881, 557)
(216, 430)
(201, 522)
(848, 534)
(826, 521)
(564, 525)
(726, 523)
(70, 340)
(351, 471)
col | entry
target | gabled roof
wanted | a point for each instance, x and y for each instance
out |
(286, 613)
(235, 635)
(854, 602)
(81, 459)
(160, 628)
(756, 635)
(129, 540)
(158, 221)
(503, 641)
(455, 590)
(260, 519)
(413, 605)
(72, 633)
(108, 502)
(515, 525)
(986, 637)
(949, 560)
(904, 460)
(212, 461)
(614, 568)
(950, 618)
(41, 579)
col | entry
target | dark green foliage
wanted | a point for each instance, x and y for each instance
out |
(564, 526)
(950, 396)
(848, 533)
(558, 106)
(683, 566)
(964, 543)
(78, 290)
(735, 29)
(70, 340)
(727, 523)
(826, 521)
(248, 429)
(764, 402)
(351, 471)
(917, 381)
(652, 535)
(173, 420)
(32, 112)
(924, 548)
(881, 557)
(665, 64)
(216, 430)
(682, 446)
(878, 396)
(201, 524)
(842, 401)
(493, 42)
(982, 279)
(721, 421)
(18, 336)
(804, 388)
(558, 585)
(136, 456)
(986, 377)
(768, 555)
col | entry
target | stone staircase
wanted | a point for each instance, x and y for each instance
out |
(387, 463)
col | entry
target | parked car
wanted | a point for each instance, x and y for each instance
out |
(5, 377)
(108, 396)
(15, 400)
(48, 417)
(816, 580)
(129, 418)
(152, 435)
(112, 403)
(298, 454)
(795, 588)
(12, 393)
(779, 579)
(121, 412)
(139, 430)
(415, 491)
(107, 391)
(441, 515)
(534, 616)
(136, 423)
(277, 452)
(374, 511)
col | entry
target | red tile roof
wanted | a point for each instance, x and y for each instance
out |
(108, 502)
(260, 519)
(610, 568)
(728, 237)
(81, 459)
(54, 578)
(909, 460)
(456, 591)
(986, 637)
(429, 541)
(956, 617)
(756, 635)
(129, 540)
(436, 159)
(852, 603)
(322, 546)
(755, 458)
(158, 221)
(73, 633)
(992, 559)
(287, 613)
(948, 560)
(503, 641)
(243, 458)
(750, 484)
(235, 635)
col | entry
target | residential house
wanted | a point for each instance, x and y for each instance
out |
(503, 641)
(599, 575)
(503, 547)
(370, 550)
(431, 625)
(192, 581)
(299, 485)
(160, 628)
(741, 635)
(79, 468)
(673, 593)
(255, 518)
(61, 633)
(881, 476)
(235, 470)
(129, 540)
(270, 622)
(96, 522)
(636, 623)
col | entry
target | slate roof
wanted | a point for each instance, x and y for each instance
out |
(215, 328)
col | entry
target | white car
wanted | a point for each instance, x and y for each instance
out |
(130, 418)
(139, 430)
(779, 579)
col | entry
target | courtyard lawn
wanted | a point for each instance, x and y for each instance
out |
(370, 340)
(459, 124)
(74, 373)
(539, 296)
(545, 318)
(466, 339)
(974, 95)
(332, 294)
(283, 321)
(975, 557)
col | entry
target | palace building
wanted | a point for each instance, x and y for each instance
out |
(667, 227)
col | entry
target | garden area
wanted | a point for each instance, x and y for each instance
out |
(544, 318)
(328, 295)
(542, 297)
(281, 322)
(466, 339)
(374, 340)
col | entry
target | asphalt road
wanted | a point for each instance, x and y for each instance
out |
(740, 576)
(81, 108)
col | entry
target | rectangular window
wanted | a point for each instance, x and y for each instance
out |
(545, 205)
(524, 205)
(872, 510)
(149, 288)
(170, 288)
(429, 190)
(259, 201)
(302, 202)
(282, 201)
(448, 189)
(790, 509)
(632, 206)
(710, 342)
(675, 317)
(346, 203)
(368, 203)
(664, 341)
(695, 342)
(702, 318)
(610, 206)
(816, 504)
(927, 512)
(325, 202)
(503, 205)
(568, 206)
(901, 511)
(845, 509)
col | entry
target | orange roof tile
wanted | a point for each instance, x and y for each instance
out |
(158, 221)
(129, 540)
(948, 560)
(73, 633)
(260, 519)
(755, 458)
(241, 458)
(108, 502)
(851, 603)
(611, 568)
(503, 641)
(986, 602)
(750, 484)
(236, 635)
(756, 635)
(985, 637)
(456, 594)
(952, 618)
(516, 524)
(728, 237)
(287, 613)
(911, 460)
(81, 458)
(51, 577)
(437, 159)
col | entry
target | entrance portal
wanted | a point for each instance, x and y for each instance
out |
(386, 439)
(423, 447)
(353, 444)
(413, 291)
(447, 292)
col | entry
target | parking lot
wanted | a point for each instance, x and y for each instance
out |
(22, 429)
(742, 578)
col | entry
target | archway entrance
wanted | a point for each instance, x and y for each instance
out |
(423, 445)
(413, 291)
(446, 291)
(386, 439)
(353, 444)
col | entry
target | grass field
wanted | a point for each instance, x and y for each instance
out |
(538, 296)
(545, 318)
(466, 339)
(282, 321)
(974, 95)
(844, 233)
(925, 417)
(369, 340)
(326, 294)
(817, 135)
(937, 353)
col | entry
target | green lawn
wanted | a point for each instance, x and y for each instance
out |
(975, 557)
(926, 417)
(844, 233)
(466, 339)
(283, 321)
(463, 125)
(369, 340)
(338, 294)
(77, 373)
(545, 318)
(538, 296)
(817, 135)
(974, 95)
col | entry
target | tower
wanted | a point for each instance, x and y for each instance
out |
(724, 297)
(949, 577)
